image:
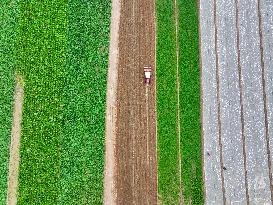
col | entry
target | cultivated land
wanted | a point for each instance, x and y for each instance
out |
(84, 96)
(136, 128)
(237, 94)
(41, 58)
(62, 54)
(190, 120)
(178, 90)
(167, 100)
(8, 26)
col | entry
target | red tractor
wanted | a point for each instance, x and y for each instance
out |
(147, 75)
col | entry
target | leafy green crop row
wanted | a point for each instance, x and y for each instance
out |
(190, 139)
(8, 26)
(41, 58)
(82, 150)
(62, 54)
(189, 72)
(168, 161)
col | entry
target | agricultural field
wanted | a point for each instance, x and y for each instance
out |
(41, 60)
(84, 98)
(190, 119)
(173, 179)
(8, 26)
(60, 48)
(62, 54)
(167, 98)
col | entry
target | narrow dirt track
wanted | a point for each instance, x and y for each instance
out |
(136, 177)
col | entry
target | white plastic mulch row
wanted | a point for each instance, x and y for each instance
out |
(236, 167)
(266, 7)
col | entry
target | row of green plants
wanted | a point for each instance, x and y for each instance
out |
(167, 98)
(8, 26)
(82, 143)
(62, 52)
(189, 73)
(40, 60)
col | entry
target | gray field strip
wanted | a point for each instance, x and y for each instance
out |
(266, 25)
(237, 87)
(230, 108)
(212, 165)
(253, 104)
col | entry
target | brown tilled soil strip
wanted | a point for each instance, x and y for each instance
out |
(218, 103)
(202, 102)
(264, 99)
(136, 173)
(241, 99)
(15, 143)
(178, 102)
(111, 107)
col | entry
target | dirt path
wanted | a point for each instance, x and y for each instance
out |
(15, 144)
(111, 108)
(135, 152)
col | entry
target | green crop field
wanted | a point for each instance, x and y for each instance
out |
(168, 161)
(41, 60)
(63, 55)
(189, 73)
(8, 26)
(190, 121)
(82, 153)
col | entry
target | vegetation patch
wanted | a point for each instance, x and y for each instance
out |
(63, 56)
(8, 26)
(189, 73)
(41, 58)
(167, 123)
(84, 100)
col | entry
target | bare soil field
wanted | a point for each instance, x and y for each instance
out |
(135, 151)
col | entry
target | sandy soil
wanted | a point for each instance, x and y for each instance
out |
(15, 144)
(135, 152)
(111, 107)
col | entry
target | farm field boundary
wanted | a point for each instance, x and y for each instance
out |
(111, 109)
(14, 157)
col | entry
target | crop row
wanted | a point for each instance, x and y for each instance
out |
(167, 113)
(189, 73)
(82, 147)
(167, 103)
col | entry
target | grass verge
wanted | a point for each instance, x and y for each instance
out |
(189, 72)
(8, 27)
(41, 58)
(168, 161)
(82, 147)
